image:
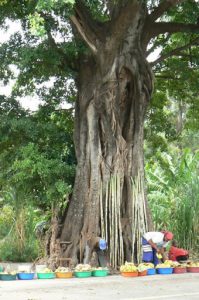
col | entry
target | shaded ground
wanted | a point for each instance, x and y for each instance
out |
(166, 287)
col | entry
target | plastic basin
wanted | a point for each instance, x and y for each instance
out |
(165, 271)
(83, 274)
(25, 276)
(45, 275)
(64, 274)
(193, 269)
(143, 273)
(100, 273)
(151, 271)
(178, 270)
(7, 277)
(129, 274)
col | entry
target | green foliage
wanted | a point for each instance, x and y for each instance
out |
(48, 5)
(18, 241)
(37, 24)
(6, 221)
(173, 195)
(37, 21)
(171, 128)
(37, 169)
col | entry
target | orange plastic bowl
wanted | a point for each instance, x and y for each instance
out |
(64, 275)
(143, 273)
(129, 274)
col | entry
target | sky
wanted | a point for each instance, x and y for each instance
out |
(32, 102)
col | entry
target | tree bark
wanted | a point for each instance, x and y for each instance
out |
(114, 89)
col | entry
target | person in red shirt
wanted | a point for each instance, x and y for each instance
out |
(177, 254)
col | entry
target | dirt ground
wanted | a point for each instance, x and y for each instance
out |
(166, 287)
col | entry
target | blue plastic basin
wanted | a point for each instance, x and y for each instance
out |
(151, 271)
(165, 270)
(25, 276)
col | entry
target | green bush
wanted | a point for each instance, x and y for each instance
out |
(19, 242)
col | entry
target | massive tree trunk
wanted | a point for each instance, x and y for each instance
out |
(114, 89)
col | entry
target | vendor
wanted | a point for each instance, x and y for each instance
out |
(178, 254)
(98, 246)
(154, 243)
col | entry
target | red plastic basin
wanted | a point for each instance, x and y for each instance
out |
(178, 270)
(193, 269)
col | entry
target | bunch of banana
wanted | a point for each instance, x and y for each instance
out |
(128, 267)
(159, 255)
(180, 265)
(9, 273)
(150, 265)
(142, 267)
(166, 264)
(176, 264)
(194, 264)
(83, 268)
(161, 266)
(46, 270)
(145, 266)
(62, 270)
(13, 272)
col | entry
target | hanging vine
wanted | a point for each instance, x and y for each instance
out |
(139, 215)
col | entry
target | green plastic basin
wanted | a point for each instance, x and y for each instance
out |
(45, 275)
(100, 273)
(84, 274)
(7, 277)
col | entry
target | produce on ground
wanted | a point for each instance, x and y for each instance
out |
(62, 270)
(46, 270)
(128, 267)
(145, 266)
(83, 268)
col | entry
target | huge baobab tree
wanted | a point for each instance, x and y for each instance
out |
(114, 84)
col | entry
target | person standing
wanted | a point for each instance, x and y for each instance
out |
(153, 243)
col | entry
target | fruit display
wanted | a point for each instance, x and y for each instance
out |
(46, 270)
(149, 265)
(83, 271)
(83, 268)
(165, 268)
(128, 267)
(9, 273)
(142, 269)
(166, 264)
(62, 270)
(193, 267)
(46, 273)
(129, 270)
(193, 264)
(145, 266)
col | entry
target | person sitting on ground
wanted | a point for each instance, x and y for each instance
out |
(154, 243)
(177, 254)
